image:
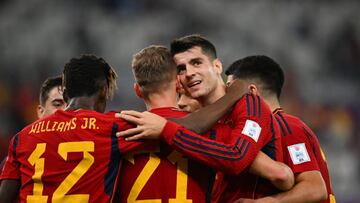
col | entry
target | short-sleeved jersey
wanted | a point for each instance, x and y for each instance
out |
(164, 175)
(70, 156)
(302, 151)
(239, 136)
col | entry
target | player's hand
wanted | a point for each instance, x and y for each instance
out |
(149, 125)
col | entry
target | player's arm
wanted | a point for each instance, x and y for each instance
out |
(210, 114)
(10, 175)
(129, 146)
(309, 187)
(309, 183)
(232, 157)
(9, 190)
(279, 174)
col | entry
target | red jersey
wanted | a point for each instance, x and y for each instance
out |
(302, 151)
(239, 136)
(164, 175)
(70, 156)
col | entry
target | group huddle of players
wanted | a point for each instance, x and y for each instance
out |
(236, 145)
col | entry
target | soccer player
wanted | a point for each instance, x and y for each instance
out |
(50, 100)
(71, 155)
(249, 128)
(163, 174)
(302, 151)
(51, 97)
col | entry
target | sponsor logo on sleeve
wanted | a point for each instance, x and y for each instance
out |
(298, 153)
(252, 129)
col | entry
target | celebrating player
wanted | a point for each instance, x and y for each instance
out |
(163, 174)
(302, 151)
(50, 100)
(246, 130)
(72, 155)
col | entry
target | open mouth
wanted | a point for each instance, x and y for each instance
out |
(194, 83)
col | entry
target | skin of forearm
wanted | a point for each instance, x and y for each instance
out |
(278, 173)
(308, 188)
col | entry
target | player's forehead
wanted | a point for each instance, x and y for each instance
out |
(188, 55)
(55, 93)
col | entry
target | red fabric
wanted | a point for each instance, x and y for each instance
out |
(97, 147)
(163, 165)
(232, 151)
(301, 133)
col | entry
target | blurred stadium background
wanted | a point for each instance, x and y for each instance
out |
(316, 42)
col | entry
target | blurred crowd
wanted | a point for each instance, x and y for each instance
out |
(317, 44)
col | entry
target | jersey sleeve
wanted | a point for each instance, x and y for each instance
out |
(11, 168)
(241, 146)
(299, 153)
(130, 146)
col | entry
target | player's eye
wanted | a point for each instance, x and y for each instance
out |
(57, 104)
(181, 69)
(196, 62)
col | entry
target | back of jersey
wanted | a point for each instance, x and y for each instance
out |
(163, 174)
(70, 156)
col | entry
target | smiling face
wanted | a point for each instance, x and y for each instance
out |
(199, 74)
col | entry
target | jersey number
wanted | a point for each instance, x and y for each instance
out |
(149, 169)
(60, 193)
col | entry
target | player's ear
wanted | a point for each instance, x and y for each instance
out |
(218, 66)
(40, 110)
(137, 90)
(253, 89)
(178, 83)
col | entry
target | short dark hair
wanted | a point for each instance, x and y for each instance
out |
(185, 43)
(47, 86)
(86, 75)
(153, 68)
(260, 67)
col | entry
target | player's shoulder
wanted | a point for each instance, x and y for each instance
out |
(295, 123)
(29, 127)
(252, 106)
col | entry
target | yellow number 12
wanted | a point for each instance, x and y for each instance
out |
(64, 187)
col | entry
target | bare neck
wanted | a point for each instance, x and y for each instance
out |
(159, 100)
(85, 102)
(272, 101)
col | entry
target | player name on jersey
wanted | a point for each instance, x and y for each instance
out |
(72, 124)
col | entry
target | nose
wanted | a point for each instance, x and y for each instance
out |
(190, 71)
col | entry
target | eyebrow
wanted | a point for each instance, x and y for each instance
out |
(58, 100)
(196, 59)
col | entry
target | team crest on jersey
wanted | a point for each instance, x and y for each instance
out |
(252, 129)
(298, 153)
